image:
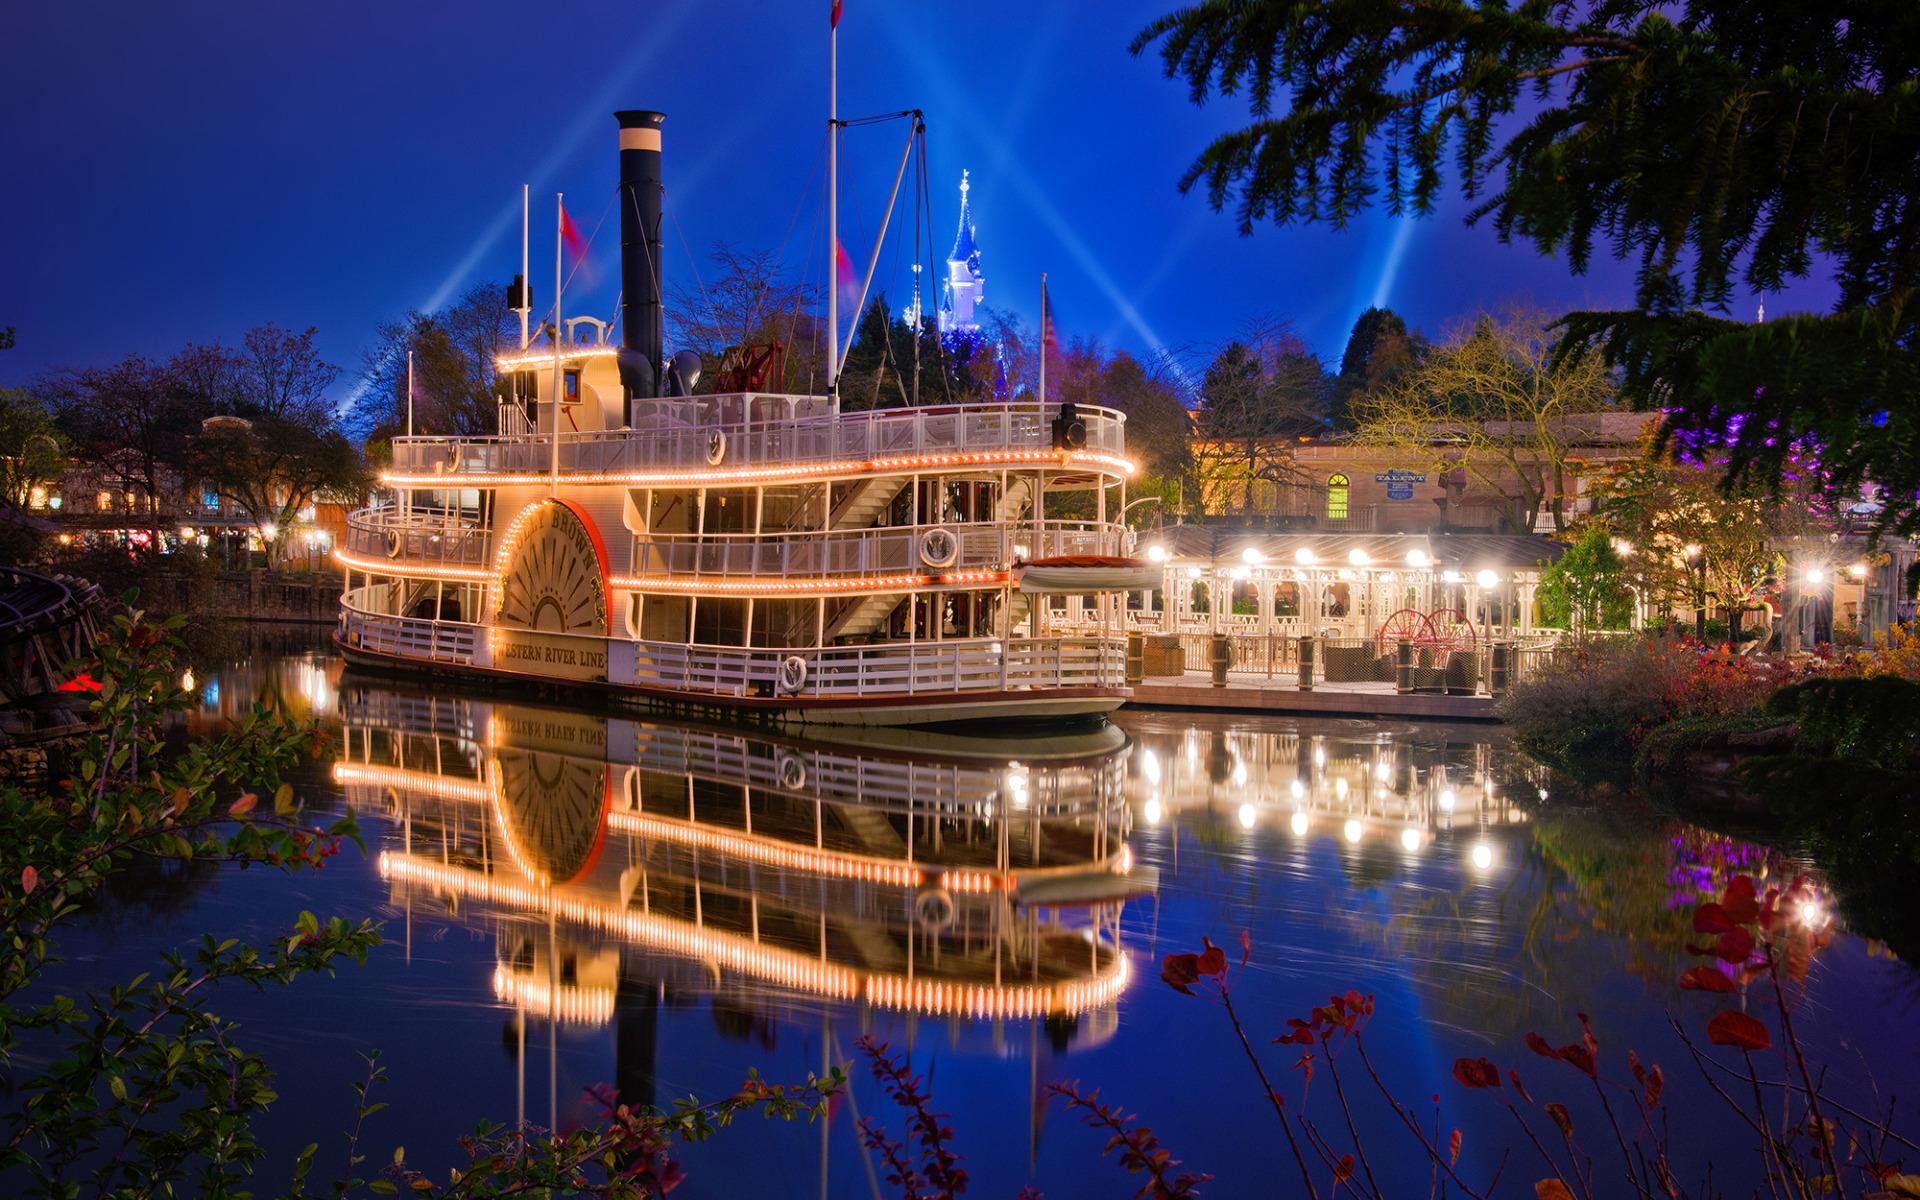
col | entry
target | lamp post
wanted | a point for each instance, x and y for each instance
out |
(1697, 560)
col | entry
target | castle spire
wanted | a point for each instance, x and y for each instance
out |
(965, 285)
(964, 251)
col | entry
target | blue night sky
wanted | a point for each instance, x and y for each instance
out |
(182, 172)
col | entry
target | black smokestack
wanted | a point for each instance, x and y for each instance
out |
(642, 340)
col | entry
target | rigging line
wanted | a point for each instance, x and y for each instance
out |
(941, 359)
(686, 247)
(878, 118)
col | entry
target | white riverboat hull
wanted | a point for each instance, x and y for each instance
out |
(879, 709)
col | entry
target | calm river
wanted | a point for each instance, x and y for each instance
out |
(573, 899)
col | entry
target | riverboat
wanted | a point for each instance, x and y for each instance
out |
(765, 553)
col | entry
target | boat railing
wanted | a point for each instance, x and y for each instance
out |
(926, 668)
(416, 535)
(421, 638)
(888, 550)
(854, 439)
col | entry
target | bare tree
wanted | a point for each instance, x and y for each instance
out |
(1494, 402)
(132, 422)
(455, 387)
(747, 299)
(281, 374)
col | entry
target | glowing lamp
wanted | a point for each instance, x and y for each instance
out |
(1251, 556)
(1623, 547)
(1482, 856)
(1691, 550)
(1156, 554)
(1487, 579)
(1858, 570)
(1304, 557)
(1418, 560)
(1351, 830)
(1816, 576)
(1450, 577)
(1410, 840)
(1298, 823)
(1358, 557)
(1247, 816)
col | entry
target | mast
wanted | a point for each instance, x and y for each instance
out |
(559, 239)
(1043, 339)
(833, 205)
(526, 276)
(409, 393)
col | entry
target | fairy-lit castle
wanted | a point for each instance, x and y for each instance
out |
(965, 284)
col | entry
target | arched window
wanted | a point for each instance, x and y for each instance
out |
(1286, 600)
(1337, 497)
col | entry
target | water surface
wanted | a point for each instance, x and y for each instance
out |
(573, 898)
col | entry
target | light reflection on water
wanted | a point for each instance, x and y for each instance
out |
(578, 899)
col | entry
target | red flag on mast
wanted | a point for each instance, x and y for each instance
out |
(570, 234)
(836, 14)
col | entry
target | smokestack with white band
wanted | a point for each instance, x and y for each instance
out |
(642, 329)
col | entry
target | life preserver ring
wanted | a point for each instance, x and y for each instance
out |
(939, 547)
(453, 456)
(793, 673)
(793, 772)
(716, 448)
(933, 909)
(393, 543)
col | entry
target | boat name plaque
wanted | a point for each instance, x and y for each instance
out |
(559, 656)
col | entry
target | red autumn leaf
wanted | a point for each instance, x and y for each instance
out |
(1513, 1077)
(1540, 1046)
(243, 805)
(1743, 908)
(1735, 1028)
(1180, 970)
(1246, 947)
(1734, 946)
(1453, 1148)
(1705, 979)
(1586, 1037)
(1656, 1083)
(29, 880)
(1213, 961)
(1559, 1114)
(1580, 1057)
(1711, 918)
(1639, 1072)
(1551, 1189)
(1476, 1073)
(1343, 1170)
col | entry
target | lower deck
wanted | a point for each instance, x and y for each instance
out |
(884, 683)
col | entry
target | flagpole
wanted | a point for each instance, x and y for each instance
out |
(833, 206)
(526, 274)
(1043, 342)
(559, 239)
(409, 393)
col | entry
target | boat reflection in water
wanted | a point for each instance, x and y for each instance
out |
(618, 861)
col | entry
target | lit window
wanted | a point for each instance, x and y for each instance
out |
(1337, 498)
(210, 500)
(37, 498)
(105, 501)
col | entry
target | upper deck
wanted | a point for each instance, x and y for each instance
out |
(758, 438)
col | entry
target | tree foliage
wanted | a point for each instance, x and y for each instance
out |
(1496, 403)
(1259, 393)
(31, 451)
(1713, 142)
(1378, 349)
(455, 389)
(1585, 589)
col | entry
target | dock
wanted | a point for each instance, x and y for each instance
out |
(1280, 696)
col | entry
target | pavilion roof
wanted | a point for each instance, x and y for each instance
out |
(1456, 551)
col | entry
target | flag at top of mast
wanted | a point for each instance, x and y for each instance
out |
(570, 234)
(836, 14)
